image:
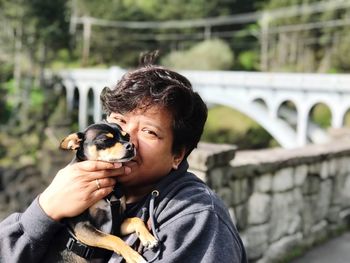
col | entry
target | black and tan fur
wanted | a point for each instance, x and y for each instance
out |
(106, 142)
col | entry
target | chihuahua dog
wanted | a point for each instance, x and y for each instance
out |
(89, 232)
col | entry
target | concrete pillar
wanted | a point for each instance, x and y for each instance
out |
(97, 105)
(70, 95)
(303, 120)
(338, 109)
(83, 103)
(273, 109)
(337, 119)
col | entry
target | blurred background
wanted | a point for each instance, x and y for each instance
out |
(259, 35)
(41, 36)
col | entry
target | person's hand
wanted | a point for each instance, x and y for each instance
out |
(78, 186)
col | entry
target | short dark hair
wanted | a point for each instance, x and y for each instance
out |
(151, 85)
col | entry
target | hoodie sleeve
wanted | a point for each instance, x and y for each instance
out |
(200, 236)
(25, 237)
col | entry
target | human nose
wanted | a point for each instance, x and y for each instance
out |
(132, 131)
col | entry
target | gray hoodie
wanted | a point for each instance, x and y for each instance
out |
(192, 224)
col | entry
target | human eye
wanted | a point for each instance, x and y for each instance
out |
(150, 132)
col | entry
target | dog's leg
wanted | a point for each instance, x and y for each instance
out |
(136, 225)
(93, 237)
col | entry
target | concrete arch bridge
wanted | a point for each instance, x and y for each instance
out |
(261, 96)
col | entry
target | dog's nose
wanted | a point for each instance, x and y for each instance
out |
(129, 146)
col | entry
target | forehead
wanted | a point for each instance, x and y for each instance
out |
(154, 113)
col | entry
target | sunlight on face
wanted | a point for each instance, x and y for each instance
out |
(151, 133)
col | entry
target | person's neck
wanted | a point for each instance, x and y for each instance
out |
(136, 193)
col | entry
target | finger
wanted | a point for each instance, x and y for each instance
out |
(97, 165)
(102, 192)
(103, 183)
(108, 173)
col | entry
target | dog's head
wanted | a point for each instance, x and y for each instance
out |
(100, 141)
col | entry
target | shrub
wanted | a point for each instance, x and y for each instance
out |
(214, 54)
(249, 60)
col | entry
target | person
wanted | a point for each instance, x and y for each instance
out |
(165, 120)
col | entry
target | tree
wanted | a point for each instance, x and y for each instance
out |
(110, 45)
(311, 41)
(33, 32)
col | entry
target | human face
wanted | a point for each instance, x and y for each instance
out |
(151, 132)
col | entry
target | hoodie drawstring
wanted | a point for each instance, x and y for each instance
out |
(154, 195)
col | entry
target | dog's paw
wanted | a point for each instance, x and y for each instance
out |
(134, 257)
(151, 244)
(148, 240)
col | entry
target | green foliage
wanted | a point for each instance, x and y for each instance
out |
(140, 10)
(6, 101)
(35, 30)
(207, 55)
(122, 45)
(310, 49)
(249, 60)
(321, 115)
(65, 59)
(5, 109)
(341, 58)
(6, 71)
(5, 75)
(37, 97)
(50, 21)
(2, 151)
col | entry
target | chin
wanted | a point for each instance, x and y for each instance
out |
(131, 164)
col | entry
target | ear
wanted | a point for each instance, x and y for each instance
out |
(178, 157)
(72, 141)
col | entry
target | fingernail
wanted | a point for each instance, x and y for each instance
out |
(117, 165)
(127, 170)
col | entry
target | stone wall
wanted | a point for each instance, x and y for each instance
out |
(282, 201)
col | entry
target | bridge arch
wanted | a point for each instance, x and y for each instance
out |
(316, 126)
(256, 112)
(318, 106)
(90, 106)
(340, 117)
(261, 102)
(287, 110)
(346, 118)
(74, 102)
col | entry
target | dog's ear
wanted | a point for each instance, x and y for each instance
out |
(72, 141)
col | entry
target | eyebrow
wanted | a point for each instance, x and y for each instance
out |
(146, 121)
(158, 127)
